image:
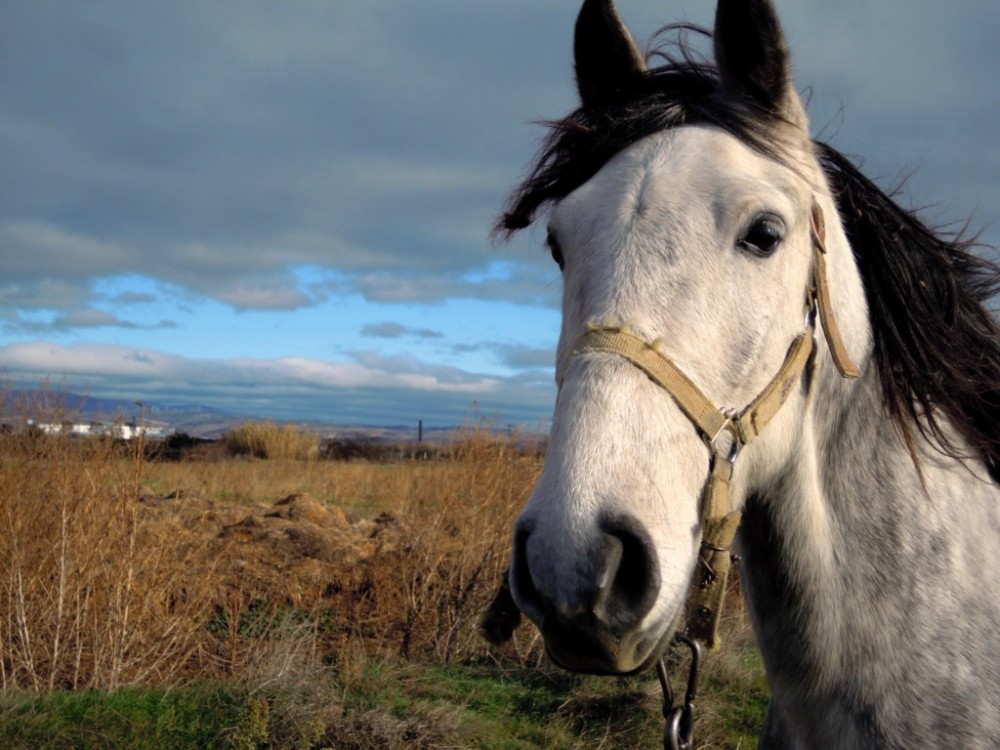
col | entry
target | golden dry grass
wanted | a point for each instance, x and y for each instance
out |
(115, 570)
(89, 596)
(268, 440)
(312, 586)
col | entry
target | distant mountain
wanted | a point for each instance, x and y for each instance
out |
(194, 419)
(92, 406)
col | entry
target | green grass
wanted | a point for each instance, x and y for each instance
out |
(491, 709)
(128, 719)
(379, 704)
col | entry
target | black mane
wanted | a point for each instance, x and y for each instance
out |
(937, 345)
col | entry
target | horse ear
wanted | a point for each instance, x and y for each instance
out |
(753, 58)
(606, 57)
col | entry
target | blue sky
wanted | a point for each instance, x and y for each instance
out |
(282, 209)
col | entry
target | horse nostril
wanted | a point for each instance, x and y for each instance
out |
(611, 590)
(631, 581)
(525, 593)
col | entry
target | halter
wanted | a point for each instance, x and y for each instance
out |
(725, 431)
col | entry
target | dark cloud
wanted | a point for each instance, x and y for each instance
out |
(217, 145)
(526, 285)
(514, 356)
(214, 145)
(521, 357)
(77, 319)
(133, 298)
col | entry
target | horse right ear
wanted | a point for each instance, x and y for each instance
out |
(606, 57)
(753, 58)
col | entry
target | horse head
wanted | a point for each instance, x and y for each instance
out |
(698, 239)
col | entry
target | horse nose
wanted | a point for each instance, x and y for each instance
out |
(587, 608)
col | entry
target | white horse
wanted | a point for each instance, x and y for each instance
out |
(685, 206)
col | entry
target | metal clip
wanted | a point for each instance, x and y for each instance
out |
(678, 731)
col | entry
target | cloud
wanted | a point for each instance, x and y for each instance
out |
(162, 161)
(514, 356)
(91, 317)
(524, 285)
(133, 298)
(389, 330)
(43, 293)
(77, 319)
(31, 245)
(218, 150)
(526, 357)
(373, 388)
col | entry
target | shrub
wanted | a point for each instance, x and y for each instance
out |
(268, 440)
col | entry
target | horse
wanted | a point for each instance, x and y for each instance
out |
(761, 352)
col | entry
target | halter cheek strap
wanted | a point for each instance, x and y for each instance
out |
(817, 231)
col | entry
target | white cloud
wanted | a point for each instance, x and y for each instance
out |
(282, 387)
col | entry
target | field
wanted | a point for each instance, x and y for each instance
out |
(212, 598)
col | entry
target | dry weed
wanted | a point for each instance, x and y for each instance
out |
(429, 594)
(268, 440)
(103, 584)
(89, 596)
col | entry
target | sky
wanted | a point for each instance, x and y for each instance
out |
(282, 209)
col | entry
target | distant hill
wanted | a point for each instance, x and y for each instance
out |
(194, 419)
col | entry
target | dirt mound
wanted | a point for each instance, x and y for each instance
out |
(296, 550)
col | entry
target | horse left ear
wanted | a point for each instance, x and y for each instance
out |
(753, 58)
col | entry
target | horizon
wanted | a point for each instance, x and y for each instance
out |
(284, 210)
(41, 402)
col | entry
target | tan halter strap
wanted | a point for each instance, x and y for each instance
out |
(699, 408)
(817, 229)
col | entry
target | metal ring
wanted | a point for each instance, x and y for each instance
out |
(735, 446)
(672, 739)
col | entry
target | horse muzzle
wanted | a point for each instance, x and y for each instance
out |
(592, 613)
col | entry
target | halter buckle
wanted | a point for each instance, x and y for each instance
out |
(718, 447)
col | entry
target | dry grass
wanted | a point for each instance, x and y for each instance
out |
(360, 488)
(268, 440)
(458, 514)
(89, 597)
(117, 570)
(108, 580)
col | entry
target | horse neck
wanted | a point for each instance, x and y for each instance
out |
(859, 569)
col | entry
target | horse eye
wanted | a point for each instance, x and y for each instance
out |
(554, 248)
(763, 236)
